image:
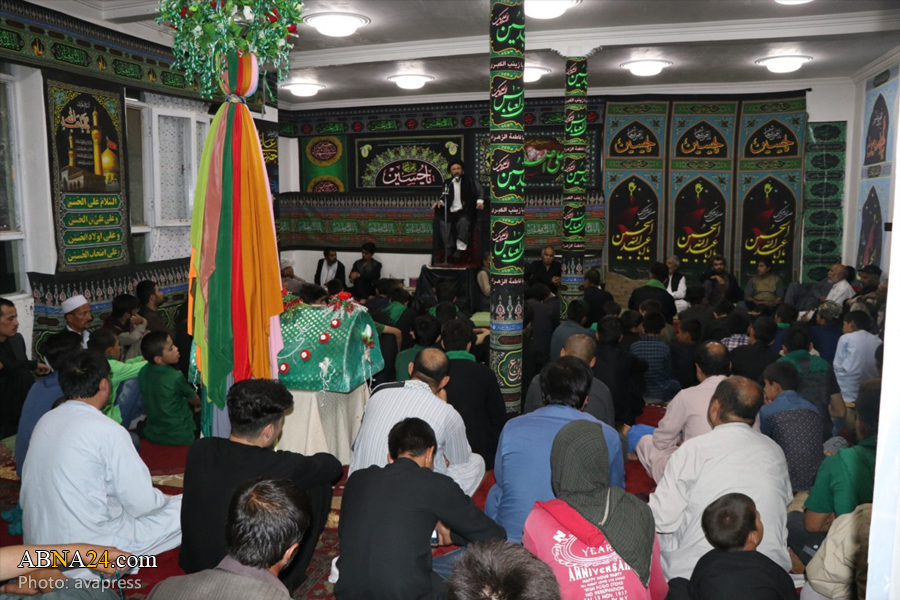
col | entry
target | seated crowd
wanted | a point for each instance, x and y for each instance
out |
(763, 460)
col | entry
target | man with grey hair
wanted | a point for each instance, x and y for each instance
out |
(834, 287)
(676, 283)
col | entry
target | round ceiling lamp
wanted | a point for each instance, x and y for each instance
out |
(336, 24)
(548, 9)
(410, 82)
(303, 89)
(646, 68)
(533, 73)
(792, 2)
(783, 64)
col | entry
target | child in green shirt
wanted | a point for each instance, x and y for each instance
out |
(106, 342)
(168, 397)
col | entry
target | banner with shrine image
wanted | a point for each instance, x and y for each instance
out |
(88, 173)
(701, 176)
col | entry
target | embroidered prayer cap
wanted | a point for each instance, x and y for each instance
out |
(72, 303)
(830, 310)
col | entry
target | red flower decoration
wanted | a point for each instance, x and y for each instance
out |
(335, 323)
(273, 16)
(292, 28)
(345, 295)
(324, 338)
(284, 367)
(283, 292)
(183, 11)
(305, 354)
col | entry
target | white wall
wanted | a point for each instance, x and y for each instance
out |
(394, 266)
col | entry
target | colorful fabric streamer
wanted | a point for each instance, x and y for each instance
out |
(235, 283)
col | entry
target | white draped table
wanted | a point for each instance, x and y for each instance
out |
(324, 422)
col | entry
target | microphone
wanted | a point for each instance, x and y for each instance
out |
(446, 190)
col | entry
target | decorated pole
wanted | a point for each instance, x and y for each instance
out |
(507, 196)
(574, 167)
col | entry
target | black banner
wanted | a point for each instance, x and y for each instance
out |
(399, 163)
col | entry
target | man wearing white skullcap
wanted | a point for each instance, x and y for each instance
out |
(77, 311)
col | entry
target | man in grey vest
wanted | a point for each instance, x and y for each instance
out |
(266, 520)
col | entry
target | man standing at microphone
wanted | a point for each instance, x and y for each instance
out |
(455, 211)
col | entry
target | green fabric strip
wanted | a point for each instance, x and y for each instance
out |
(221, 343)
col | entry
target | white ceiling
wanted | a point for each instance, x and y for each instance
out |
(710, 41)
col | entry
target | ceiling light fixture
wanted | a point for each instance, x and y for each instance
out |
(336, 24)
(783, 64)
(792, 2)
(303, 89)
(548, 9)
(533, 73)
(410, 82)
(646, 68)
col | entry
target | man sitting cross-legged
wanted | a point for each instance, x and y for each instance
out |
(522, 467)
(216, 467)
(473, 391)
(264, 527)
(730, 458)
(686, 414)
(83, 479)
(793, 422)
(390, 513)
(423, 397)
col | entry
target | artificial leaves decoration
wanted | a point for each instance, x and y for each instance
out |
(507, 159)
(574, 185)
(206, 31)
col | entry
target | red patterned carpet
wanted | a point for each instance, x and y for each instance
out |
(168, 460)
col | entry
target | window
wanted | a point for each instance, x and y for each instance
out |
(138, 135)
(11, 231)
(178, 145)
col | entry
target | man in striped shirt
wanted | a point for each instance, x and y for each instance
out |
(424, 397)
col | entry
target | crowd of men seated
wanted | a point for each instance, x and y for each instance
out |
(769, 407)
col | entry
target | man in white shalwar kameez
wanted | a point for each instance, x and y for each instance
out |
(84, 482)
(733, 457)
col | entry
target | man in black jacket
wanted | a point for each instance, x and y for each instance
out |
(655, 289)
(216, 467)
(330, 268)
(620, 370)
(456, 211)
(389, 514)
(15, 369)
(473, 391)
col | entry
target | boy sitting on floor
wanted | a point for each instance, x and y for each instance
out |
(166, 393)
(734, 569)
(125, 403)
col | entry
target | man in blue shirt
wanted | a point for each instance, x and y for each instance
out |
(46, 391)
(522, 465)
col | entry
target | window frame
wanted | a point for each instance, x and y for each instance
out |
(194, 119)
(18, 234)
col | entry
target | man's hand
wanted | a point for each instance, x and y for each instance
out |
(437, 204)
(137, 319)
(480, 205)
(34, 577)
(443, 535)
(720, 279)
(42, 369)
(353, 275)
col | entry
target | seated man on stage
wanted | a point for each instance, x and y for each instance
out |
(455, 211)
